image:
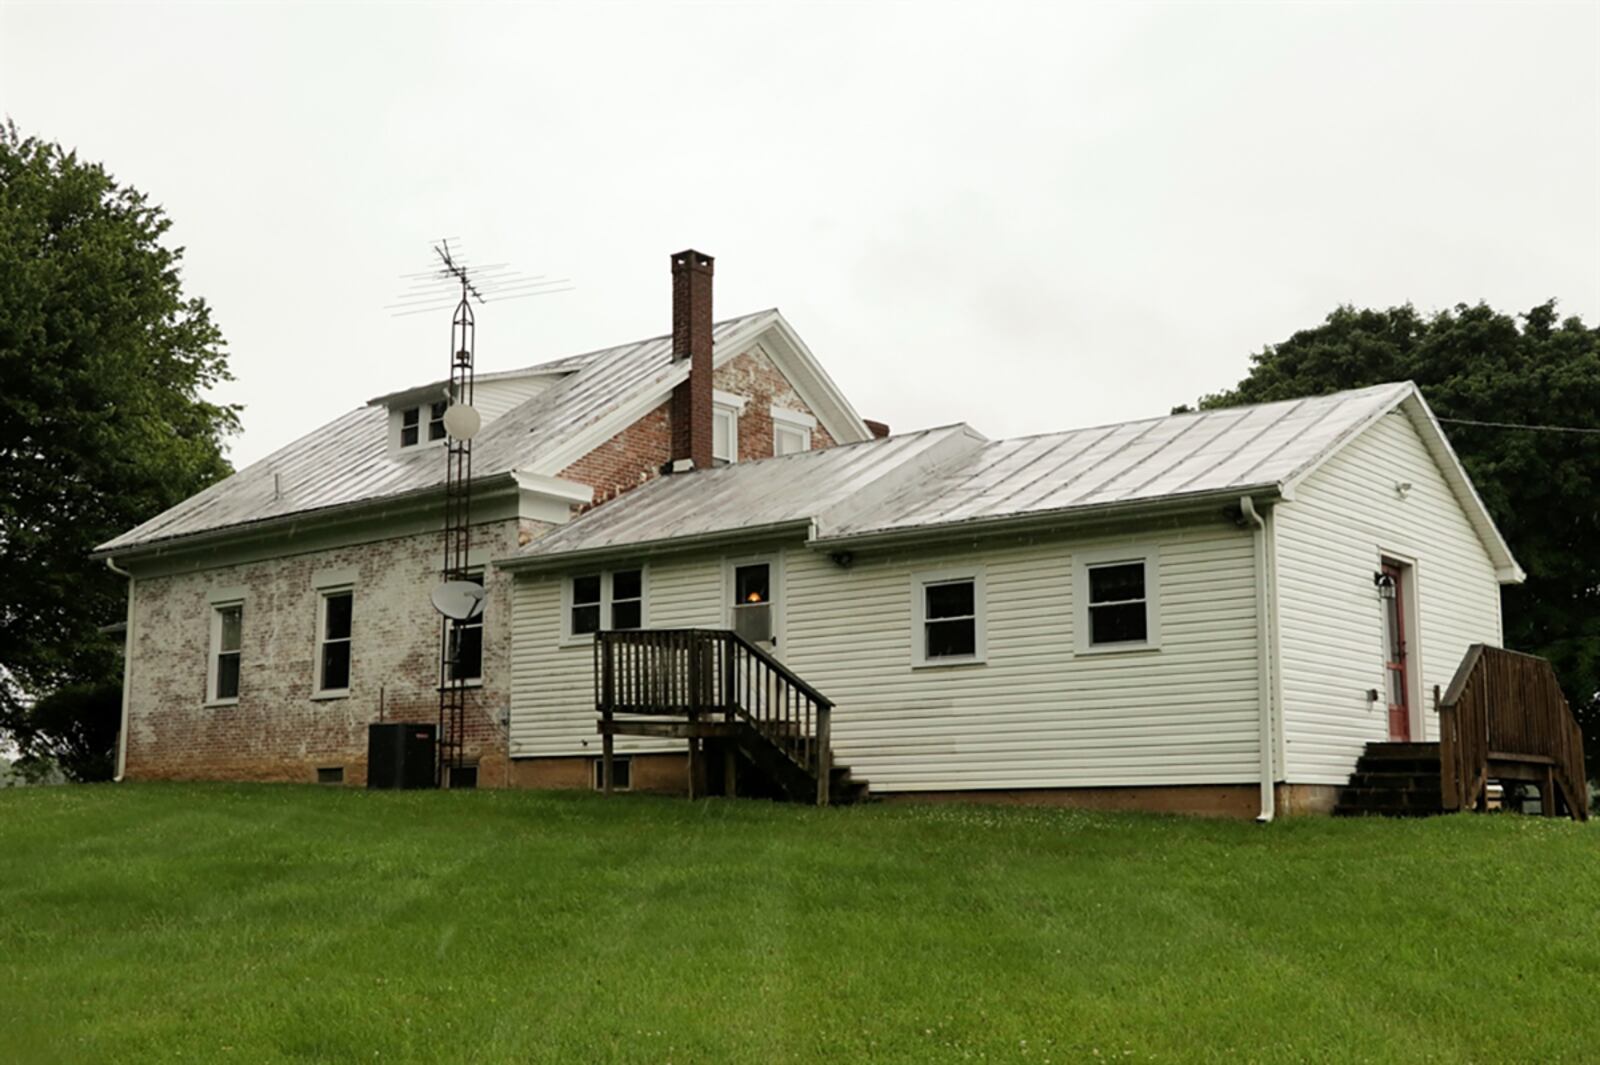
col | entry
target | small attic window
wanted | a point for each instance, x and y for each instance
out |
(411, 424)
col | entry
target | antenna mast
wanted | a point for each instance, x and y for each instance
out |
(463, 285)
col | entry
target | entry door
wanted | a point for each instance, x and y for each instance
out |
(1396, 654)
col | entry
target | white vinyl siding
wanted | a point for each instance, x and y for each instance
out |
(552, 681)
(1034, 715)
(1328, 544)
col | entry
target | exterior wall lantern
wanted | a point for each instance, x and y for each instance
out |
(1384, 584)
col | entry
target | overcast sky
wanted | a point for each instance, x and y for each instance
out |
(1027, 218)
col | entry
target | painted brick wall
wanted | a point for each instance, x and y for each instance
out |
(753, 376)
(277, 731)
(638, 453)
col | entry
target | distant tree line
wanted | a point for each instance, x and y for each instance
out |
(1542, 485)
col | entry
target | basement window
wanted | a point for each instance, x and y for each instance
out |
(330, 774)
(611, 600)
(227, 631)
(948, 625)
(1118, 597)
(463, 776)
(621, 774)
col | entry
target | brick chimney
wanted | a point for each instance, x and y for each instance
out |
(691, 340)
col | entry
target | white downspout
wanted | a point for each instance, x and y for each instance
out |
(127, 672)
(1247, 506)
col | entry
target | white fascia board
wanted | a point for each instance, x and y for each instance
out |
(549, 499)
(1506, 568)
(812, 383)
(1408, 399)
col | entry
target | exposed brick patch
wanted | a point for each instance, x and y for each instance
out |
(628, 459)
(277, 731)
(753, 376)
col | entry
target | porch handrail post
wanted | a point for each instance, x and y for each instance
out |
(824, 746)
(605, 658)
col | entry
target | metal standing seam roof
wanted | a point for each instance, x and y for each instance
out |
(349, 460)
(1202, 453)
(751, 495)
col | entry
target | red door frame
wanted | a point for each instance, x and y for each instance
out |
(1396, 657)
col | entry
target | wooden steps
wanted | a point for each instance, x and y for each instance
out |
(1394, 780)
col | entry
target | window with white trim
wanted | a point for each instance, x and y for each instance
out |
(1118, 600)
(791, 431)
(947, 618)
(412, 425)
(609, 600)
(227, 641)
(464, 643)
(724, 434)
(335, 612)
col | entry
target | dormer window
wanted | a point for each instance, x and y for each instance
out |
(411, 424)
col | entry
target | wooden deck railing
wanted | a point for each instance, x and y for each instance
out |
(1504, 715)
(702, 674)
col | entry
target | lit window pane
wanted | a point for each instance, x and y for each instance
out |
(953, 600)
(1123, 623)
(752, 584)
(1119, 583)
(952, 639)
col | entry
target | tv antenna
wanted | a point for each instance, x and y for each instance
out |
(459, 598)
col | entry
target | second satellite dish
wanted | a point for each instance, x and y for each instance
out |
(462, 422)
(459, 600)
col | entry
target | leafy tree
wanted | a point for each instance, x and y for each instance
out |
(103, 364)
(1542, 487)
(75, 730)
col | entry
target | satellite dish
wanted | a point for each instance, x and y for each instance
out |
(462, 422)
(459, 600)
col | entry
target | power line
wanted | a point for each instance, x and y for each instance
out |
(1519, 425)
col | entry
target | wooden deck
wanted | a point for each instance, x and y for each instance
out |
(1504, 718)
(723, 696)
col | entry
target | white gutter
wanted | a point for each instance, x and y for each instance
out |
(1247, 506)
(127, 671)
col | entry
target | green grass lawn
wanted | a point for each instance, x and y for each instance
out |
(272, 923)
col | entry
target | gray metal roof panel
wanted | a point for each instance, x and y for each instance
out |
(349, 459)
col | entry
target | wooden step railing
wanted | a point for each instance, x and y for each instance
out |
(1506, 710)
(702, 674)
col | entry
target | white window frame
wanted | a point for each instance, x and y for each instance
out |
(482, 573)
(792, 421)
(570, 638)
(323, 595)
(1082, 563)
(775, 590)
(215, 651)
(425, 420)
(919, 617)
(721, 412)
